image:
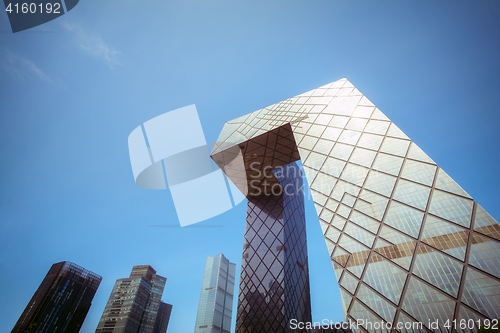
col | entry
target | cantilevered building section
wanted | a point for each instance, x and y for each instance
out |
(62, 301)
(407, 243)
(135, 304)
(216, 299)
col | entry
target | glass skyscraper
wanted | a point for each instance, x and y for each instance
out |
(216, 298)
(409, 246)
(274, 285)
(135, 304)
(62, 301)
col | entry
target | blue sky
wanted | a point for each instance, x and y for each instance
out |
(73, 89)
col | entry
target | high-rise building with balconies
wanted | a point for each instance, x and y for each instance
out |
(135, 304)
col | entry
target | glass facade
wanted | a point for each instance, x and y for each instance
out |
(135, 304)
(408, 245)
(274, 286)
(216, 299)
(61, 302)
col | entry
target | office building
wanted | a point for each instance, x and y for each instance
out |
(408, 245)
(216, 299)
(135, 304)
(62, 301)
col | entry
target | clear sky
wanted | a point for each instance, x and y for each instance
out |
(73, 89)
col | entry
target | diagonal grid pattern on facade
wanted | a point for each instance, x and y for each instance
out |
(407, 243)
(274, 286)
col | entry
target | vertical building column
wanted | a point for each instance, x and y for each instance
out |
(274, 287)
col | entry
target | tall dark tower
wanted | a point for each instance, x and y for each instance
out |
(61, 302)
(274, 284)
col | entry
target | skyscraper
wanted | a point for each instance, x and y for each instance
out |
(274, 287)
(61, 302)
(135, 304)
(408, 245)
(216, 299)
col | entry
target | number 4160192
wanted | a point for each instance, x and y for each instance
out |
(33, 8)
